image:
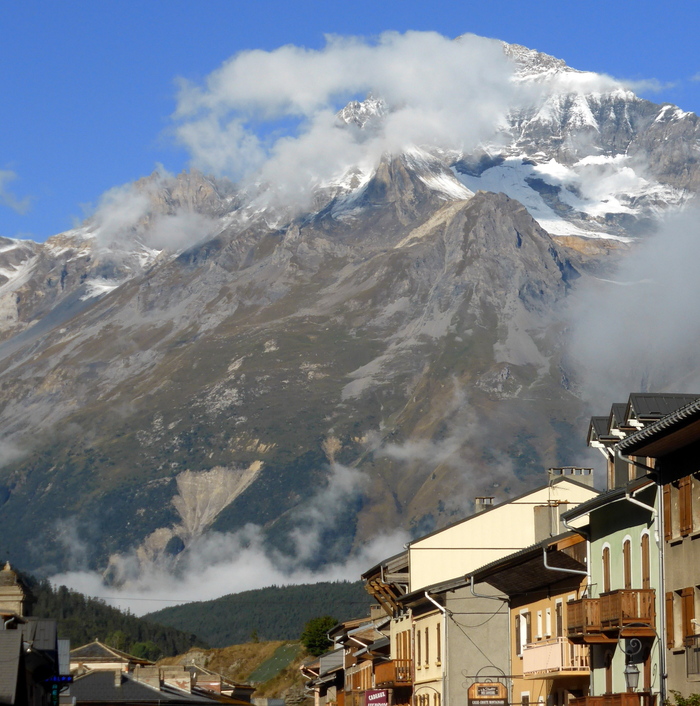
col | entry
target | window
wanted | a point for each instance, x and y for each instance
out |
(438, 644)
(427, 647)
(523, 631)
(539, 624)
(418, 641)
(627, 563)
(548, 623)
(525, 698)
(606, 569)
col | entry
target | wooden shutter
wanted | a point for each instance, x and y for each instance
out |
(627, 563)
(518, 637)
(668, 520)
(418, 641)
(685, 506)
(438, 643)
(670, 637)
(688, 613)
(427, 648)
(646, 570)
(606, 569)
(528, 627)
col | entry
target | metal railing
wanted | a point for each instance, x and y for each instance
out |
(557, 655)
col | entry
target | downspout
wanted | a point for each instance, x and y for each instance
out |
(443, 648)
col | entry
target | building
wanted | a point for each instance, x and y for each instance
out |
(437, 646)
(668, 451)
(540, 583)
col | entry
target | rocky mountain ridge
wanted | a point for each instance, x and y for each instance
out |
(215, 362)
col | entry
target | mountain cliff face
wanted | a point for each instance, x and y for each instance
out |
(396, 347)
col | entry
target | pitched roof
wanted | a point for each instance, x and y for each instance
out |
(667, 434)
(97, 651)
(10, 655)
(647, 406)
(41, 633)
(99, 687)
(525, 570)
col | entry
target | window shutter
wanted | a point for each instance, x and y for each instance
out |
(685, 506)
(688, 613)
(518, 637)
(668, 521)
(670, 637)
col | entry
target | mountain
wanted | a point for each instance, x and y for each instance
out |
(272, 613)
(326, 376)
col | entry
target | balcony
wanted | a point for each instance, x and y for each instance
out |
(631, 611)
(633, 698)
(394, 673)
(359, 677)
(583, 621)
(558, 657)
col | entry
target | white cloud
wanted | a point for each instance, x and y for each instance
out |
(131, 213)
(438, 91)
(7, 198)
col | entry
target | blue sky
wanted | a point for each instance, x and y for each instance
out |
(88, 88)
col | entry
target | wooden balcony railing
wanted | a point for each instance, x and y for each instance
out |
(556, 657)
(359, 677)
(394, 673)
(635, 698)
(624, 608)
(583, 618)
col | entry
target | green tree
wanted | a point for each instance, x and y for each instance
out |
(315, 635)
(146, 650)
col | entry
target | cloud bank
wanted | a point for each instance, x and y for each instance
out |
(219, 563)
(639, 329)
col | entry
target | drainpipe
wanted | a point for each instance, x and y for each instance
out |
(443, 648)
(559, 568)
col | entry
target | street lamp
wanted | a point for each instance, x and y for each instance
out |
(631, 676)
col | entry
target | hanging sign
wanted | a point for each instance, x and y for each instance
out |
(491, 693)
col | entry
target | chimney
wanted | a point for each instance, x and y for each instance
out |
(483, 502)
(580, 475)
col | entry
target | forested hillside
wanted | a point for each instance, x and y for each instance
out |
(273, 613)
(82, 619)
